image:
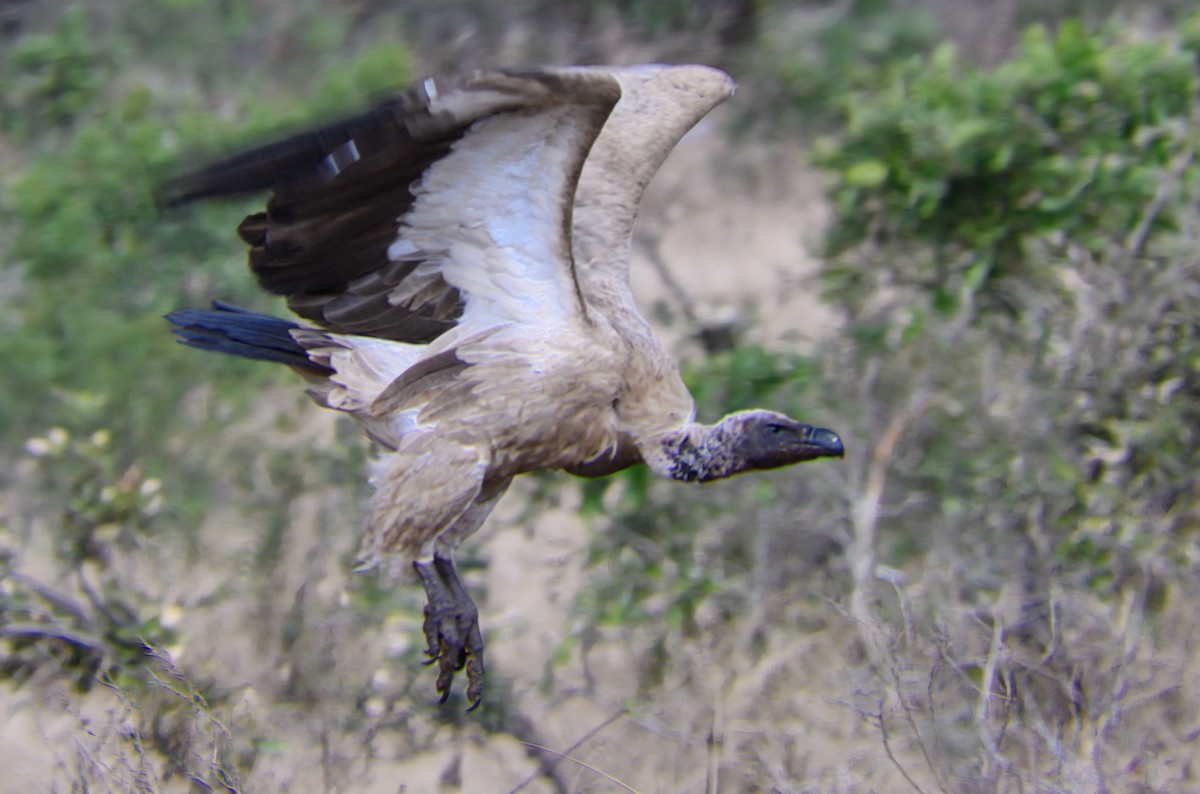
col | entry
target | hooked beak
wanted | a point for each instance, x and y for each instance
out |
(822, 443)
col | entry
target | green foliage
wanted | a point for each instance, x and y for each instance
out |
(658, 17)
(952, 179)
(92, 264)
(50, 79)
(1046, 481)
(745, 377)
(1060, 187)
(96, 264)
(802, 68)
(84, 216)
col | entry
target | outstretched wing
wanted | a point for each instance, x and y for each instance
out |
(659, 104)
(449, 204)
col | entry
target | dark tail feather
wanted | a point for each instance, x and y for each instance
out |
(239, 332)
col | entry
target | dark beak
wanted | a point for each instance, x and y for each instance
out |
(823, 443)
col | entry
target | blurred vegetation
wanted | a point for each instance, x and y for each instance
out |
(1049, 202)
(1011, 545)
(1014, 250)
(984, 180)
(804, 67)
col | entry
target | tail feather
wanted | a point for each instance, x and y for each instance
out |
(239, 332)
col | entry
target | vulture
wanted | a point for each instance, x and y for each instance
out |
(459, 256)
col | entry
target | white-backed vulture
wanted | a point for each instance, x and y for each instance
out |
(461, 253)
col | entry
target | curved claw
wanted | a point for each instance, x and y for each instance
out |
(475, 677)
(451, 630)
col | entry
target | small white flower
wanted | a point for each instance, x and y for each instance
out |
(381, 679)
(38, 447)
(153, 506)
(398, 644)
(375, 707)
(170, 616)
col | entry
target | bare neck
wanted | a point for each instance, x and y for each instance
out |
(696, 453)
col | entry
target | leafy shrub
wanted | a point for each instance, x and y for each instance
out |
(954, 181)
(1016, 511)
(51, 78)
(801, 68)
(1060, 187)
(1046, 210)
(94, 264)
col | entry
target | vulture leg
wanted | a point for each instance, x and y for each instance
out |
(451, 627)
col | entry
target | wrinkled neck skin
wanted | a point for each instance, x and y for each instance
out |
(696, 453)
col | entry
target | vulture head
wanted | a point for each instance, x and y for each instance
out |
(741, 442)
(768, 440)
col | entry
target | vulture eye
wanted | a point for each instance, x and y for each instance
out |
(776, 429)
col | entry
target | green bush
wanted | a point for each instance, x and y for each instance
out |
(958, 181)
(800, 70)
(1045, 211)
(1060, 187)
(51, 78)
(1014, 527)
(94, 262)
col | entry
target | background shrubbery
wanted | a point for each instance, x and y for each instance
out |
(993, 591)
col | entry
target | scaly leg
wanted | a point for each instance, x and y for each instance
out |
(451, 627)
(452, 635)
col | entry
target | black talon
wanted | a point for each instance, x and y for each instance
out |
(451, 629)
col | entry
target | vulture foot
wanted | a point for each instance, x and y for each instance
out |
(451, 628)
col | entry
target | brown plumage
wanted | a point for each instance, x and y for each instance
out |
(463, 252)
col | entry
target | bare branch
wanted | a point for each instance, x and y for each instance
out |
(881, 721)
(53, 632)
(549, 766)
(585, 765)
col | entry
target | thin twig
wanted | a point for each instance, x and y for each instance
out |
(907, 711)
(548, 768)
(986, 686)
(1136, 240)
(687, 306)
(887, 748)
(54, 632)
(646, 723)
(715, 740)
(583, 764)
(865, 514)
(865, 519)
(54, 597)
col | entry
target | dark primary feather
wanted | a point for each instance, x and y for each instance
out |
(239, 332)
(340, 194)
(275, 164)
